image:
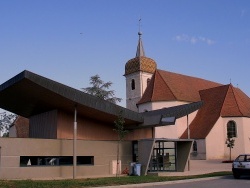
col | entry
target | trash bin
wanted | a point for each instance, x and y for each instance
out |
(137, 169)
(131, 169)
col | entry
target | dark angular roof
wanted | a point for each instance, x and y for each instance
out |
(28, 94)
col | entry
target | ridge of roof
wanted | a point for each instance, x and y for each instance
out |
(157, 71)
(229, 101)
(224, 101)
(235, 105)
(157, 90)
(186, 88)
(174, 86)
(209, 113)
(244, 102)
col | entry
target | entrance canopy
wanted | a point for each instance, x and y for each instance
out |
(167, 116)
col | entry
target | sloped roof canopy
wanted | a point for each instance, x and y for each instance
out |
(29, 94)
(167, 116)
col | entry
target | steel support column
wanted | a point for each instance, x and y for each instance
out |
(74, 144)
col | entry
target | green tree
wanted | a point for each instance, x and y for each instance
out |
(6, 120)
(230, 145)
(100, 89)
(121, 132)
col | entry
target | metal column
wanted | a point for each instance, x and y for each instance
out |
(74, 144)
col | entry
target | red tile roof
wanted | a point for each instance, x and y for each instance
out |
(169, 86)
(225, 101)
(236, 104)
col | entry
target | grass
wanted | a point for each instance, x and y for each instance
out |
(96, 182)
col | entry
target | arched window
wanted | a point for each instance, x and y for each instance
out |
(133, 84)
(148, 80)
(231, 129)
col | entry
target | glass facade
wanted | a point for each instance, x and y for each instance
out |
(163, 156)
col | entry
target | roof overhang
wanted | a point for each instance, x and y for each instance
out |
(168, 116)
(28, 94)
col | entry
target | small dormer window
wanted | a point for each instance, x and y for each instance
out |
(133, 84)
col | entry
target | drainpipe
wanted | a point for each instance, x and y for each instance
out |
(74, 144)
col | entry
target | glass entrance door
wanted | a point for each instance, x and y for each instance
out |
(163, 157)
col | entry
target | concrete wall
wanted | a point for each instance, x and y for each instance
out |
(200, 154)
(104, 153)
(246, 133)
(215, 141)
(145, 148)
(242, 142)
(183, 151)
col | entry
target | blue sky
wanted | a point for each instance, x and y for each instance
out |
(209, 39)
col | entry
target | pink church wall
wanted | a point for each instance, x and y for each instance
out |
(173, 131)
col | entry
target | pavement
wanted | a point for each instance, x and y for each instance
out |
(196, 167)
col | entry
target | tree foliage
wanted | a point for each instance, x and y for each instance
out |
(119, 127)
(6, 120)
(100, 89)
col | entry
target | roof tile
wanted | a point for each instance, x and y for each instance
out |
(169, 86)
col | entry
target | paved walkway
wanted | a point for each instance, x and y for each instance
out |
(203, 167)
(196, 167)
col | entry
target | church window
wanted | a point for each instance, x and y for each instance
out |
(133, 84)
(231, 129)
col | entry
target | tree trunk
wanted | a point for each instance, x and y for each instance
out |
(230, 154)
(117, 159)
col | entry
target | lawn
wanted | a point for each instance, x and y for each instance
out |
(96, 182)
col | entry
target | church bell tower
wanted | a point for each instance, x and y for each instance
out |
(138, 72)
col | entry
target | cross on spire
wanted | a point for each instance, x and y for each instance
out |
(139, 25)
(140, 50)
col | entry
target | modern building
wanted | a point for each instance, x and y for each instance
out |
(225, 113)
(71, 133)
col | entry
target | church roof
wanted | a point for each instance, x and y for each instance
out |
(140, 62)
(169, 86)
(222, 101)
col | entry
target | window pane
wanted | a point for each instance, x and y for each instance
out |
(231, 129)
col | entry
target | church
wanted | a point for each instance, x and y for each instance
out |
(225, 112)
(170, 117)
